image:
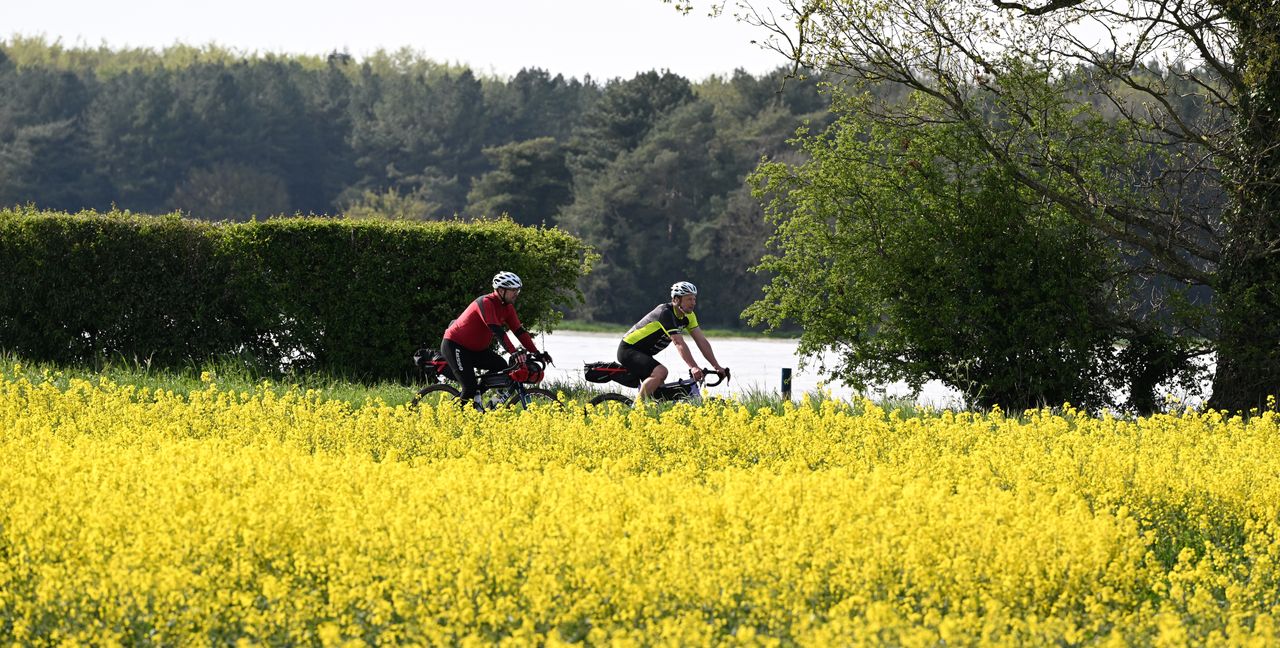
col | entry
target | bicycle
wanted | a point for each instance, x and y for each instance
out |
(684, 389)
(499, 388)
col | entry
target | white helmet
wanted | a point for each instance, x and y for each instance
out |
(682, 288)
(506, 279)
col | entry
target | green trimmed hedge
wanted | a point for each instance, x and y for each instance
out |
(345, 297)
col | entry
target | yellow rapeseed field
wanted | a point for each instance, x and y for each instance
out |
(130, 516)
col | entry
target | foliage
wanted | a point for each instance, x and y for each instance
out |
(390, 205)
(423, 133)
(621, 118)
(902, 250)
(658, 192)
(1192, 90)
(643, 235)
(230, 192)
(223, 135)
(343, 297)
(530, 182)
(231, 515)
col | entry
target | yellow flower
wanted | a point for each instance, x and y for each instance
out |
(262, 518)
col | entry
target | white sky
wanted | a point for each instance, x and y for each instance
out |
(603, 38)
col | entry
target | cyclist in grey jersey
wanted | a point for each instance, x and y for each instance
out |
(659, 328)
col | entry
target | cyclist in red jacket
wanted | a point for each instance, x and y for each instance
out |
(468, 340)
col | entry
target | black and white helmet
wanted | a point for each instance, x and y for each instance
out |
(506, 279)
(682, 288)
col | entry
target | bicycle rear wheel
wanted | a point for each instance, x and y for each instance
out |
(610, 397)
(536, 395)
(435, 395)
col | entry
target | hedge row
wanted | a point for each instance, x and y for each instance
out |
(353, 298)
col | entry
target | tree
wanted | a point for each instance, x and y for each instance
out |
(754, 118)
(229, 191)
(283, 136)
(621, 119)
(534, 104)
(913, 258)
(389, 204)
(330, 166)
(530, 182)
(638, 213)
(997, 67)
(42, 140)
(420, 133)
(140, 138)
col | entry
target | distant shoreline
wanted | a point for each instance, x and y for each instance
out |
(605, 328)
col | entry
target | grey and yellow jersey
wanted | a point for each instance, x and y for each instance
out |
(653, 332)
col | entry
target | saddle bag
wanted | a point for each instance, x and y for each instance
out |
(431, 363)
(603, 372)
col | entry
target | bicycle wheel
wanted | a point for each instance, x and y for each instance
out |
(610, 397)
(536, 395)
(435, 395)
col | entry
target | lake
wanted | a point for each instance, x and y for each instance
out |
(756, 363)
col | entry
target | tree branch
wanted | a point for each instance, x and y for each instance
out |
(1053, 5)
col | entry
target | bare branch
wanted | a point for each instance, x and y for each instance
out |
(1051, 6)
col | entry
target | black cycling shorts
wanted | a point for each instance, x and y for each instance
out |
(636, 361)
(464, 362)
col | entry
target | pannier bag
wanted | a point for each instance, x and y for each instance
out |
(603, 372)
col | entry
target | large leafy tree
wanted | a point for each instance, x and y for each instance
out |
(227, 191)
(284, 137)
(913, 257)
(1209, 216)
(330, 164)
(623, 204)
(657, 169)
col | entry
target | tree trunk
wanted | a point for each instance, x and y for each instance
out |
(1248, 281)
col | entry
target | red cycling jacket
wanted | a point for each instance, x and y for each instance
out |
(485, 318)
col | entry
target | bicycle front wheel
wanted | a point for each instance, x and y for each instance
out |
(435, 395)
(535, 395)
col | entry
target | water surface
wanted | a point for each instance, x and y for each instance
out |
(756, 363)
